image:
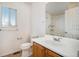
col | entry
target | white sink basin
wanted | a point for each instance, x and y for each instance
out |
(52, 43)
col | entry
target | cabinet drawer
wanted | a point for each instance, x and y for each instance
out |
(50, 53)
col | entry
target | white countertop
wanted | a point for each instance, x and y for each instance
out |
(62, 49)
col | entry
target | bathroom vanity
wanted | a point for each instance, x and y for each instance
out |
(41, 51)
(49, 46)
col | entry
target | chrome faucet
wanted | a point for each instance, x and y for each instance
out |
(57, 39)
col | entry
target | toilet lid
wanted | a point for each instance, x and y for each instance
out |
(25, 45)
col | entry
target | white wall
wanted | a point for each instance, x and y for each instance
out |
(38, 18)
(8, 39)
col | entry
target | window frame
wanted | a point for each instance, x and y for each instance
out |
(9, 26)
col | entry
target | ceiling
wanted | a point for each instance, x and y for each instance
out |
(56, 7)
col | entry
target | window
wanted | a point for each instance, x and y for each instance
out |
(8, 17)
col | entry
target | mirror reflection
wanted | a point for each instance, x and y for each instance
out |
(62, 19)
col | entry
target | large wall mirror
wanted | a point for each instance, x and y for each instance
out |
(62, 19)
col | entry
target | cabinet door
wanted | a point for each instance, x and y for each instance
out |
(51, 53)
(38, 50)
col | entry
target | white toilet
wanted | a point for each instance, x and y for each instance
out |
(26, 49)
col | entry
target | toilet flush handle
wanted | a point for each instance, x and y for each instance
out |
(19, 38)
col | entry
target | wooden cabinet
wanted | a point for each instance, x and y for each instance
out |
(50, 53)
(40, 51)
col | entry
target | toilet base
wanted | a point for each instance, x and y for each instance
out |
(26, 53)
